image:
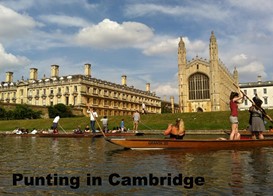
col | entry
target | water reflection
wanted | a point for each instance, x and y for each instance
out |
(236, 181)
(225, 171)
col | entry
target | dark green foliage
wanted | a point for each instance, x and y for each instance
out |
(165, 108)
(20, 112)
(2, 113)
(59, 110)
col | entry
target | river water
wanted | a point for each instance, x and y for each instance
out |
(85, 166)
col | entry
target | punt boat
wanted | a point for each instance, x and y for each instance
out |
(214, 144)
(73, 135)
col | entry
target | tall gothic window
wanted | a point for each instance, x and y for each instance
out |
(199, 86)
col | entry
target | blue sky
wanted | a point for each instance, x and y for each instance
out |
(137, 38)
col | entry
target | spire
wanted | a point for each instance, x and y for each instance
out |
(235, 72)
(181, 43)
(181, 52)
(212, 37)
(213, 48)
(235, 75)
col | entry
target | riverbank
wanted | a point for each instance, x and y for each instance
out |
(203, 122)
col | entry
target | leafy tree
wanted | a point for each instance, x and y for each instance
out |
(165, 108)
(9, 115)
(2, 113)
(59, 110)
(25, 112)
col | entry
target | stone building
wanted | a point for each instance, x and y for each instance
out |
(262, 89)
(78, 90)
(169, 106)
(204, 85)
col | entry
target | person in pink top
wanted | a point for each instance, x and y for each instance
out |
(235, 99)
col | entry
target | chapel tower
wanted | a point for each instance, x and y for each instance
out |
(204, 85)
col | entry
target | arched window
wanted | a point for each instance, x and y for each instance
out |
(198, 86)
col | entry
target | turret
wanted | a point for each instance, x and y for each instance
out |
(54, 71)
(9, 77)
(33, 74)
(124, 80)
(87, 70)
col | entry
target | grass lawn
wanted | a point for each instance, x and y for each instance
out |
(193, 121)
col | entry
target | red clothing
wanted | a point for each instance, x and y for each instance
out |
(234, 108)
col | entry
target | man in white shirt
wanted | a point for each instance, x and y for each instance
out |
(55, 122)
(136, 119)
(93, 116)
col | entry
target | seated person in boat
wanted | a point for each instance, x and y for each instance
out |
(78, 130)
(176, 131)
(24, 131)
(270, 129)
(115, 130)
(34, 131)
(15, 130)
(87, 129)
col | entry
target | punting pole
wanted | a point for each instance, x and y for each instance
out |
(98, 124)
(146, 126)
(259, 108)
(62, 128)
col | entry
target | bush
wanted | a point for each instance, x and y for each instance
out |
(2, 113)
(25, 112)
(59, 110)
(20, 112)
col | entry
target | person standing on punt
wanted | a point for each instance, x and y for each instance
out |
(235, 99)
(122, 125)
(257, 115)
(136, 119)
(55, 124)
(176, 131)
(93, 116)
(104, 121)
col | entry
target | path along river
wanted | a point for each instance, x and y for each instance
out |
(85, 166)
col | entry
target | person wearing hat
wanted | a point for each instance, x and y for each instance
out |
(256, 120)
(176, 131)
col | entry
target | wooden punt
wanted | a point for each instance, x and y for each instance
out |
(73, 135)
(154, 143)
(91, 135)
(247, 134)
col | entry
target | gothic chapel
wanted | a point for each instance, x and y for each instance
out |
(204, 85)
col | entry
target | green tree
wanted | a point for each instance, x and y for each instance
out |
(25, 112)
(59, 110)
(2, 113)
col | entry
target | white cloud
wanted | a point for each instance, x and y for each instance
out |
(8, 59)
(110, 34)
(251, 70)
(166, 89)
(19, 4)
(28, 4)
(166, 47)
(15, 24)
(200, 10)
(239, 59)
(64, 20)
(253, 67)
(253, 5)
